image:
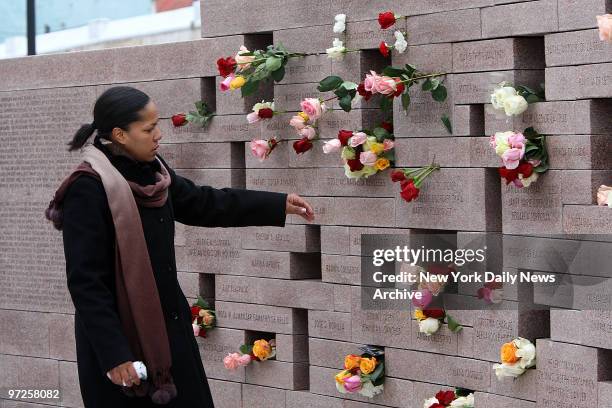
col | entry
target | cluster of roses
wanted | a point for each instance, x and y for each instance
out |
(411, 180)
(380, 84)
(260, 350)
(362, 374)
(516, 357)
(363, 154)
(387, 20)
(305, 123)
(203, 317)
(459, 398)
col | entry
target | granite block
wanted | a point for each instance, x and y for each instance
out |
(500, 54)
(476, 88)
(468, 120)
(274, 319)
(576, 47)
(225, 393)
(278, 374)
(528, 18)
(587, 219)
(329, 325)
(579, 82)
(585, 327)
(292, 238)
(257, 396)
(281, 265)
(450, 26)
(219, 343)
(579, 14)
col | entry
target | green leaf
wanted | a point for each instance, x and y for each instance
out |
(249, 87)
(278, 74)
(348, 85)
(381, 134)
(345, 102)
(447, 123)
(202, 303)
(393, 71)
(378, 371)
(341, 92)
(430, 84)
(439, 94)
(453, 325)
(410, 70)
(246, 349)
(405, 100)
(329, 83)
(530, 133)
(531, 147)
(542, 167)
(273, 63)
(386, 104)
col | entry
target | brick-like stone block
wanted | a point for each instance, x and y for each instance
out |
(468, 120)
(261, 318)
(217, 178)
(576, 47)
(578, 14)
(15, 337)
(306, 399)
(477, 87)
(443, 341)
(225, 393)
(335, 240)
(423, 117)
(275, 264)
(587, 219)
(570, 372)
(449, 151)
(218, 343)
(364, 211)
(485, 400)
(329, 325)
(257, 396)
(579, 82)
(605, 391)
(69, 384)
(555, 118)
(585, 327)
(524, 387)
(330, 353)
(538, 209)
(309, 294)
(532, 17)
(500, 54)
(443, 204)
(450, 26)
(341, 269)
(206, 254)
(308, 69)
(427, 57)
(29, 373)
(292, 348)
(292, 238)
(580, 152)
(201, 155)
(279, 374)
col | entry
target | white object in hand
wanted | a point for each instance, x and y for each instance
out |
(141, 371)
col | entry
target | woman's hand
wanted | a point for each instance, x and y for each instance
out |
(124, 375)
(297, 205)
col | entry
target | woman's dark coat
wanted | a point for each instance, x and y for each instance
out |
(89, 236)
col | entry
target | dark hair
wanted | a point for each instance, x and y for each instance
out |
(116, 107)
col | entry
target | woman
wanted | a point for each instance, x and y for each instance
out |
(117, 213)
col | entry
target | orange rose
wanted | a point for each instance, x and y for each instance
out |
(367, 365)
(262, 349)
(508, 353)
(352, 361)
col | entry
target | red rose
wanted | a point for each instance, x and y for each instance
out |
(384, 50)
(386, 19)
(397, 175)
(354, 164)
(362, 91)
(226, 66)
(302, 145)
(409, 190)
(509, 175)
(399, 87)
(265, 113)
(445, 397)
(388, 126)
(202, 333)
(436, 314)
(525, 168)
(179, 119)
(195, 310)
(344, 136)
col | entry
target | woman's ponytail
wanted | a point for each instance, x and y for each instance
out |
(81, 136)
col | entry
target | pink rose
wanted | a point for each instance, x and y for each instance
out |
(424, 301)
(231, 361)
(332, 146)
(196, 330)
(368, 158)
(352, 384)
(308, 132)
(357, 139)
(605, 27)
(517, 140)
(244, 61)
(252, 117)
(297, 122)
(260, 149)
(511, 158)
(244, 360)
(225, 84)
(388, 144)
(312, 107)
(375, 83)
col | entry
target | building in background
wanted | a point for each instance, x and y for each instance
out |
(73, 25)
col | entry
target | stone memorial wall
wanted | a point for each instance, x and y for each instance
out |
(301, 284)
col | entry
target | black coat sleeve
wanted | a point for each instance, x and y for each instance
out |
(206, 206)
(89, 244)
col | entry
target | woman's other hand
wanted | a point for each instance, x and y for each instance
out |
(297, 205)
(124, 375)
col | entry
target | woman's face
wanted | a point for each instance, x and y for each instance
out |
(141, 141)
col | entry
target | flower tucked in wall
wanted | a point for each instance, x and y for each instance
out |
(363, 374)
(516, 357)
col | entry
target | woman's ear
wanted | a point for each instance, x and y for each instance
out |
(118, 136)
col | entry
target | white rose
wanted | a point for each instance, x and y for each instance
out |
(369, 390)
(500, 94)
(463, 402)
(400, 42)
(340, 23)
(501, 142)
(337, 51)
(331, 146)
(528, 180)
(526, 351)
(507, 370)
(515, 105)
(429, 402)
(429, 326)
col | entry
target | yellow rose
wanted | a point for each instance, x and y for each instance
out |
(382, 163)
(419, 315)
(351, 361)
(508, 353)
(367, 365)
(304, 116)
(262, 349)
(237, 82)
(377, 147)
(342, 375)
